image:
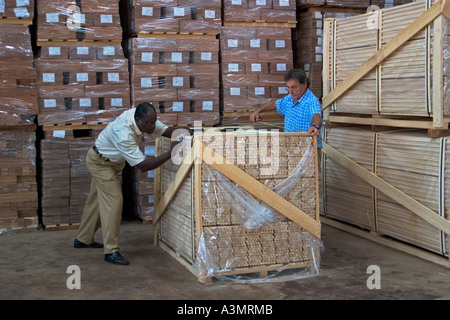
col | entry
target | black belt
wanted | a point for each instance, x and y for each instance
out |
(98, 152)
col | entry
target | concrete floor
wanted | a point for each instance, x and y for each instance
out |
(34, 266)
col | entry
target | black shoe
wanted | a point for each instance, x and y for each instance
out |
(79, 244)
(116, 258)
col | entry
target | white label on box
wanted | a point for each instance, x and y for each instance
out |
(282, 90)
(147, 11)
(2, 6)
(177, 81)
(320, 41)
(178, 12)
(82, 77)
(113, 77)
(306, 67)
(318, 57)
(259, 91)
(48, 77)
(85, 102)
(261, 2)
(49, 103)
(280, 44)
(281, 66)
(256, 67)
(59, 134)
(79, 18)
(206, 56)
(82, 51)
(319, 49)
(177, 107)
(233, 43)
(235, 91)
(151, 198)
(149, 150)
(207, 105)
(177, 57)
(284, 3)
(54, 51)
(116, 102)
(210, 14)
(150, 174)
(21, 12)
(317, 15)
(255, 43)
(233, 67)
(52, 17)
(109, 51)
(146, 82)
(236, 2)
(106, 18)
(319, 32)
(147, 57)
(319, 24)
(22, 3)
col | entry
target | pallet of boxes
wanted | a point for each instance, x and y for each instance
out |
(173, 52)
(18, 167)
(240, 206)
(83, 83)
(386, 145)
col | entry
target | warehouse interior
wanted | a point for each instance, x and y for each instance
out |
(367, 218)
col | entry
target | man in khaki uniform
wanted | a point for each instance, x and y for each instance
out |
(118, 143)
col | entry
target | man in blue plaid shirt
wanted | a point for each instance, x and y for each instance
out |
(301, 109)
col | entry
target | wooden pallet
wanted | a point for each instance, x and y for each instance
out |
(13, 20)
(178, 35)
(260, 23)
(74, 126)
(63, 226)
(387, 241)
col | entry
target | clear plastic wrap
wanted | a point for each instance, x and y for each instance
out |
(254, 62)
(182, 16)
(179, 76)
(90, 90)
(17, 77)
(238, 237)
(78, 20)
(18, 186)
(22, 9)
(273, 11)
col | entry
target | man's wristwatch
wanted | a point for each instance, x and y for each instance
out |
(316, 126)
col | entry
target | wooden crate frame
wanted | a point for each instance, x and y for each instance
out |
(192, 167)
(431, 18)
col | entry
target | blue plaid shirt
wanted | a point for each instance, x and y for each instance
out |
(298, 116)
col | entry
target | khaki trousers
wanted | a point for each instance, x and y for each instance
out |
(104, 204)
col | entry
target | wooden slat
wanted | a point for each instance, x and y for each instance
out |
(385, 51)
(262, 192)
(182, 172)
(416, 207)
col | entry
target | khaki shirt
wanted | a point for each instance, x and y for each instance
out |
(121, 139)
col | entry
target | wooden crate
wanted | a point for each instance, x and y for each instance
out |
(389, 63)
(224, 212)
(393, 184)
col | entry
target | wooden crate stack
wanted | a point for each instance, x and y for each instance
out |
(394, 79)
(209, 224)
(409, 160)
(18, 174)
